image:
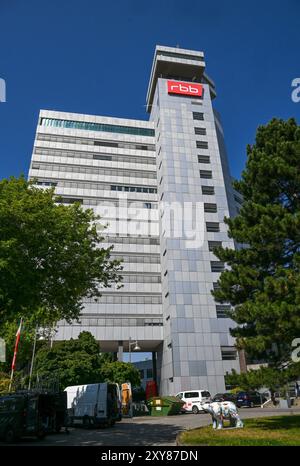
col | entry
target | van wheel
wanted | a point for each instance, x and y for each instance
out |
(86, 422)
(58, 428)
(9, 436)
(41, 434)
(195, 410)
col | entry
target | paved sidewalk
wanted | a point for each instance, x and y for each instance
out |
(146, 431)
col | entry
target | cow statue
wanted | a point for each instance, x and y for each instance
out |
(223, 410)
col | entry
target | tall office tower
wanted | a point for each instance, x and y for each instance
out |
(191, 168)
(164, 188)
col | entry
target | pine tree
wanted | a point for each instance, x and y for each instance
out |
(262, 282)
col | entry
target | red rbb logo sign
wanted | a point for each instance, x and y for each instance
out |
(177, 87)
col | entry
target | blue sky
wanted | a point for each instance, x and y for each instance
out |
(95, 57)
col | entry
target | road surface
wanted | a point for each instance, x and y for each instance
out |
(144, 431)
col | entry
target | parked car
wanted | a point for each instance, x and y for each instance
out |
(93, 404)
(225, 397)
(249, 399)
(193, 400)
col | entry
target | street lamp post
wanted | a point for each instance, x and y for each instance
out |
(33, 356)
(40, 337)
(136, 347)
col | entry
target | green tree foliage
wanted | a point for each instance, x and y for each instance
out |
(8, 333)
(120, 372)
(71, 362)
(4, 383)
(79, 362)
(50, 255)
(263, 281)
(255, 379)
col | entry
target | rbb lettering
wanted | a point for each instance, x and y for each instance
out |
(175, 87)
(186, 88)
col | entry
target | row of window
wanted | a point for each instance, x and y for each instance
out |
(132, 240)
(94, 170)
(125, 299)
(123, 145)
(93, 156)
(141, 278)
(95, 186)
(180, 55)
(117, 322)
(96, 201)
(133, 189)
(93, 142)
(46, 183)
(57, 123)
(136, 259)
(214, 227)
(221, 309)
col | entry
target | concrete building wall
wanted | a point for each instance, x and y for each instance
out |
(90, 167)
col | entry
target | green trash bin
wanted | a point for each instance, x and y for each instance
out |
(164, 406)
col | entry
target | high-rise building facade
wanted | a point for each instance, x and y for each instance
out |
(163, 188)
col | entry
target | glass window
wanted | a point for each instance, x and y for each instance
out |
(214, 244)
(228, 354)
(97, 127)
(198, 116)
(208, 190)
(191, 395)
(217, 266)
(212, 227)
(206, 174)
(149, 373)
(202, 144)
(211, 208)
(201, 131)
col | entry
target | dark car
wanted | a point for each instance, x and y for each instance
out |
(249, 399)
(224, 397)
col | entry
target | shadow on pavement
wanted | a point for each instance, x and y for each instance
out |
(124, 434)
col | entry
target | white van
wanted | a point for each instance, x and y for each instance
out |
(194, 399)
(93, 404)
